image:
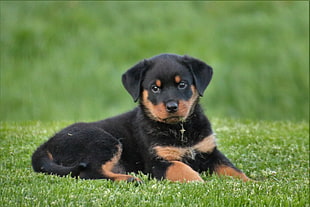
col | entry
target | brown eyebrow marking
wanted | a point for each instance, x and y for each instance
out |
(158, 83)
(177, 79)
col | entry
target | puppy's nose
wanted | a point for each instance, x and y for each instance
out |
(172, 106)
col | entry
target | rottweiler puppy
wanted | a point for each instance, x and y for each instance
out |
(166, 136)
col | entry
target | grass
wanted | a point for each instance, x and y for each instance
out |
(62, 60)
(275, 153)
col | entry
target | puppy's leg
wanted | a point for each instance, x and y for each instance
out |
(103, 158)
(223, 170)
(82, 150)
(221, 165)
(107, 169)
(175, 171)
(178, 171)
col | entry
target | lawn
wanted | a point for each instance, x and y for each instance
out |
(63, 60)
(275, 154)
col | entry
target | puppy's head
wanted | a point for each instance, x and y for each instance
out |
(168, 85)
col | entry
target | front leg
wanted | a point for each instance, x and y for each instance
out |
(202, 157)
(223, 170)
(217, 163)
(168, 164)
(175, 171)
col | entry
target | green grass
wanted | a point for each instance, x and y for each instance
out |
(276, 154)
(64, 60)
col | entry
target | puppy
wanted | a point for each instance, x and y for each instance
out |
(166, 136)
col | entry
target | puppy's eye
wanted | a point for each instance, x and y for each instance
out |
(155, 89)
(182, 85)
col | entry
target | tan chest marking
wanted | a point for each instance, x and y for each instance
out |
(171, 153)
(207, 145)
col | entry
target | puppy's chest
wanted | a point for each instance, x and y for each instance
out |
(178, 134)
(178, 142)
(179, 153)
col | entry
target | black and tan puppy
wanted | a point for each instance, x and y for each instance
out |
(167, 136)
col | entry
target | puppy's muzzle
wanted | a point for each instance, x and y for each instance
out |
(172, 106)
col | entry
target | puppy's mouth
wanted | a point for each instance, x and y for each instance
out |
(173, 119)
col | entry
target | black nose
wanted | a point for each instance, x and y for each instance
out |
(172, 106)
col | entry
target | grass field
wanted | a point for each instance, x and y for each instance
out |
(63, 60)
(276, 154)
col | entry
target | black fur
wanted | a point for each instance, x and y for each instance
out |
(82, 148)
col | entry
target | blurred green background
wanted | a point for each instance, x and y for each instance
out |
(64, 60)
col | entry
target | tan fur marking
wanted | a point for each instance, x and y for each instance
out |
(155, 111)
(180, 172)
(49, 155)
(229, 171)
(108, 167)
(158, 112)
(177, 79)
(170, 153)
(207, 145)
(158, 83)
(185, 107)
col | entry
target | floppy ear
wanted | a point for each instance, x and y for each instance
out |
(201, 72)
(132, 79)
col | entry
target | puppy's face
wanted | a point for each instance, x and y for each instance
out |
(168, 92)
(168, 86)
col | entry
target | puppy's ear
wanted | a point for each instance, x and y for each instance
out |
(201, 72)
(132, 79)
